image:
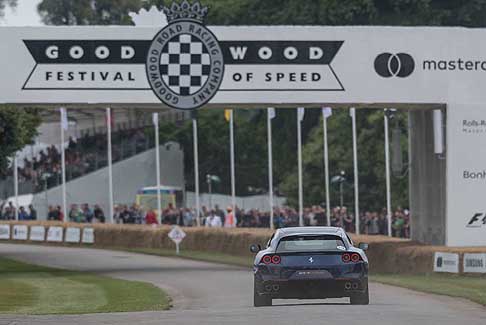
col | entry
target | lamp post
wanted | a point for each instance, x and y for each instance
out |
(339, 179)
(341, 188)
(210, 179)
(45, 177)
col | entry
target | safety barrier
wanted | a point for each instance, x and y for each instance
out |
(49, 234)
(386, 255)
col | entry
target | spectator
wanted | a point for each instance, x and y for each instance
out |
(117, 218)
(398, 224)
(137, 214)
(11, 211)
(219, 213)
(382, 222)
(98, 214)
(188, 217)
(50, 213)
(230, 220)
(373, 224)
(32, 212)
(214, 220)
(76, 214)
(151, 218)
(23, 215)
(88, 214)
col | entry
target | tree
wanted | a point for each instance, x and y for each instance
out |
(370, 158)
(18, 127)
(87, 12)
(279, 12)
(5, 3)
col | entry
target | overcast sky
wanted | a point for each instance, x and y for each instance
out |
(24, 15)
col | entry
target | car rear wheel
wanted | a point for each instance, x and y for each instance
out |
(361, 298)
(260, 300)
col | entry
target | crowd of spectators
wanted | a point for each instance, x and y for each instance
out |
(371, 223)
(8, 212)
(83, 155)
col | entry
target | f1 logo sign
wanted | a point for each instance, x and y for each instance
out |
(394, 65)
(478, 220)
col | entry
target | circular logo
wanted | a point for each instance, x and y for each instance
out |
(394, 65)
(185, 65)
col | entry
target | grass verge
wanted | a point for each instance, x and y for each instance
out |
(31, 289)
(468, 287)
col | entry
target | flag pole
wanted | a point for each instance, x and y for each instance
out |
(325, 115)
(16, 186)
(110, 161)
(64, 126)
(196, 168)
(232, 149)
(270, 116)
(155, 118)
(299, 149)
(355, 165)
(387, 174)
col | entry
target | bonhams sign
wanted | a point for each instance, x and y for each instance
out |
(184, 64)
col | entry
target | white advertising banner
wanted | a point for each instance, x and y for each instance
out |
(55, 234)
(446, 262)
(4, 231)
(246, 65)
(88, 236)
(466, 175)
(20, 232)
(474, 263)
(73, 235)
(37, 233)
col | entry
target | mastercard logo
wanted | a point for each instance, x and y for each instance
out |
(394, 65)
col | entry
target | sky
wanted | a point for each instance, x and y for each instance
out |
(24, 15)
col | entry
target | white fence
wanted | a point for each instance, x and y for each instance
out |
(259, 202)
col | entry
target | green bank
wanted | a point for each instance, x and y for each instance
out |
(468, 287)
(31, 289)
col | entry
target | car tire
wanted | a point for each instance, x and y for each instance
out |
(361, 298)
(260, 300)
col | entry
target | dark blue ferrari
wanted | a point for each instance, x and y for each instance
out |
(310, 263)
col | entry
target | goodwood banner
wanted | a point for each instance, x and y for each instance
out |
(186, 64)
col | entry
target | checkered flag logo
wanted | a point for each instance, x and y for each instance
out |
(185, 64)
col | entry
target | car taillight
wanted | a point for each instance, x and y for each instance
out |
(271, 259)
(267, 259)
(276, 259)
(354, 257)
(346, 258)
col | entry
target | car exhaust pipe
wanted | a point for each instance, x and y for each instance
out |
(276, 287)
(268, 288)
(347, 285)
(355, 286)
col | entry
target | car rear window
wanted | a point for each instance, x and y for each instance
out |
(306, 243)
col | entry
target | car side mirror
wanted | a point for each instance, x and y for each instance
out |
(363, 246)
(255, 248)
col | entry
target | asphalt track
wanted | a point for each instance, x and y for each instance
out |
(206, 293)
